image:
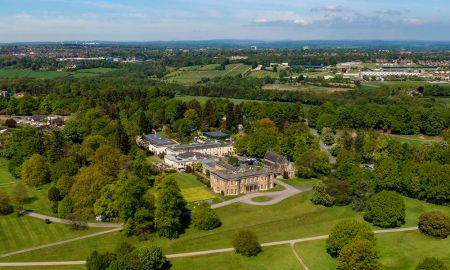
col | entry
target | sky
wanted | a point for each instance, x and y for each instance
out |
(150, 20)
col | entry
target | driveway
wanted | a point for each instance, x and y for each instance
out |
(276, 196)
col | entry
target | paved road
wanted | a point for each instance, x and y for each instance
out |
(65, 221)
(277, 196)
(207, 252)
(58, 243)
(323, 147)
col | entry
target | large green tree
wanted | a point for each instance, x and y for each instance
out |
(345, 232)
(386, 209)
(360, 254)
(35, 171)
(170, 207)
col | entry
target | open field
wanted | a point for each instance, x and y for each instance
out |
(417, 139)
(264, 73)
(402, 250)
(37, 198)
(5, 175)
(14, 73)
(65, 267)
(191, 189)
(195, 73)
(298, 182)
(278, 257)
(290, 87)
(295, 217)
(22, 232)
(203, 99)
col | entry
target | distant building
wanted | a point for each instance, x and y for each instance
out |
(155, 143)
(216, 135)
(253, 48)
(181, 161)
(279, 164)
(210, 148)
(11, 123)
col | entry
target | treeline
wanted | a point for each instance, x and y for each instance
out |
(401, 118)
(369, 162)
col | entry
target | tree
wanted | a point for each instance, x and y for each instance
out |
(65, 207)
(122, 139)
(119, 265)
(204, 218)
(6, 207)
(386, 209)
(313, 163)
(246, 243)
(55, 145)
(358, 255)
(35, 171)
(345, 232)
(99, 261)
(170, 206)
(152, 258)
(19, 196)
(321, 197)
(431, 263)
(435, 224)
(53, 194)
(327, 136)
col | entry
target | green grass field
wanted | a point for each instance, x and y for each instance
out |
(262, 199)
(203, 99)
(278, 257)
(16, 73)
(194, 74)
(264, 73)
(22, 232)
(65, 267)
(292, 218)
(417, 139)
(398, 251)
(191, 189)
(5, 175)
(37, 198)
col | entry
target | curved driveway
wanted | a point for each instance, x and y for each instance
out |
(276, 196)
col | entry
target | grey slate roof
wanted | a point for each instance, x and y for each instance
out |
(155, 139)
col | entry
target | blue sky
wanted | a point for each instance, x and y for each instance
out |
(139, 20)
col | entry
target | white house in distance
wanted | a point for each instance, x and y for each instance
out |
(155, 143)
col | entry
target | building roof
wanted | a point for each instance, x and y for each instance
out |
(275, 158)
(155, 139)
(216, 134)
(188, 156)
(194, 146)
(245, 172)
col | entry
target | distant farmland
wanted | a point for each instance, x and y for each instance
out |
(7, 73)
(195, 74)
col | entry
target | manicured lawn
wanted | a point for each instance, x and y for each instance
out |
(191, 189)
(37, 198)
(275, 188)
(402, 250)
(22, 232)
(261, 199)
(279, 257)
(63, 267)
(5, 175)
(298, 182)
(295, 217)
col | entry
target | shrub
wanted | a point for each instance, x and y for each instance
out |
(65, 207)
(152, 258)
(431, 263)
(205, 218)
(53, 194)
(6, 207)
(435, 223)
(246, 243)
(99, 261)
(321, 197)
(386, 209)
(358, 255)
(345, 232)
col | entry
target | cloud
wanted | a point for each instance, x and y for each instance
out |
(390, 12)
(280, 23)
(330, 8)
